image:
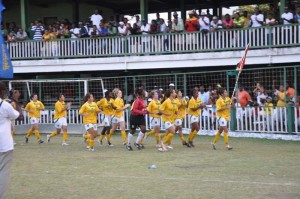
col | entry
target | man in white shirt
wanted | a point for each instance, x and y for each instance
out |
(7, 112)
(96, 18)
(257, 19)
(287, 17)
(145, 29)
(137, 21)
(204, 23)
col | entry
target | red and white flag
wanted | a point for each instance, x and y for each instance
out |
(241, 64)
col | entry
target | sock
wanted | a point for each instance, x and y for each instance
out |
(140, 137)
(111, 132)
(130, 136)
(92, 143)
(123, 134)
(12, 133)
(226, 138)
(29, 133)
(101, 137)
(217, 137)
(182, 139)
(162, 136)
(157, 138)
(150, 132)
(65, 136)
(37, 134)
(189, 137)
(194, 134)
(54, 133)
(168, 138)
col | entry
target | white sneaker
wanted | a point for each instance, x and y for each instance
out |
(88, 147)
(169, 147)
(161, 149)
(100, 143)
(229, 147)
(48, 138)
(91, 149)
(163, 146)
(64, 144)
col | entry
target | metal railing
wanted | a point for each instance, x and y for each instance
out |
(221, 40)
(249, 119)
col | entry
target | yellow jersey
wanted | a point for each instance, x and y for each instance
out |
(268, 108)
(154, 107)
(221, 103)
(118, 103)
(35, 107)
(181, 104)
(280, 101)
(59, 110)
(194, 103)
(106, 106)
(91, 109)
(168, 107)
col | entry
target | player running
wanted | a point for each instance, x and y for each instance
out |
(60, 120)
(105, 104)
(137, 119)
(223, 106)
(34, 108)
(89, 111)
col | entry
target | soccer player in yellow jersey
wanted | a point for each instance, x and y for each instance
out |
(89, 111)
(118, 115)
(34, 108)
(105, 104)
(168, 109)
(153, 110)
(268, 113)
(194, 109)
(223, 106)
(181, 104)
(60, 120)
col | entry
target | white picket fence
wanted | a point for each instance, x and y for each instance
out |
(249, 119)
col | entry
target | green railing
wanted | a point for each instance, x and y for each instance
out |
(186, 42)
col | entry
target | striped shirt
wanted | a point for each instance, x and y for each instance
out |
(38, 32)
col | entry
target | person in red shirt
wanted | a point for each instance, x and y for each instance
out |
(290, 92)
(243, 97)
(192, 24)
(137, 119)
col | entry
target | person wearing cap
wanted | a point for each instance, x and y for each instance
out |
(204, 23)
(215, 24)
(191, 24)
(145, 30)
(171, 86)
(122, 29)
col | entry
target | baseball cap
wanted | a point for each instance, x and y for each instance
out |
(171, 84)
(121, 23)
(215, 17)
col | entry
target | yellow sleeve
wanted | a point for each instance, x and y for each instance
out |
(219, 104)
(191, 104)
(149, 108)
(82, 109)
(163, 106)
(27, 107)
(97, 108)
(42, 106)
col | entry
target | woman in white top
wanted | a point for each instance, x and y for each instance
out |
(7, 112)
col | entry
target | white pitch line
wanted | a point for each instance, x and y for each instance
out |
(168, 178)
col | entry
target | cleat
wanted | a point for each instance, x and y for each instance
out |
(91, 149)
(26, 140)
(184, 143)
(161, 149)
(229, 147)
(163, 146)
(40, 141)
(110, 144)
(169, 147)
(129, 148)
(137, 146)
(124, 143)
(100, 143)
(64, 144)
(191, 144)
(88, 147)
(188, 145)
(48, 138)
(142, 146)
(213, 146)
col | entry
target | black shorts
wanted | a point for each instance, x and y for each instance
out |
(136, 121)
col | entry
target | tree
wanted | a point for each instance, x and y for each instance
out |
(264, 8)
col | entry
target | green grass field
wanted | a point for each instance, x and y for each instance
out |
(255, 168)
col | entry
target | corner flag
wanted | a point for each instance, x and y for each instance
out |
(6, 68)
(241, 64)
